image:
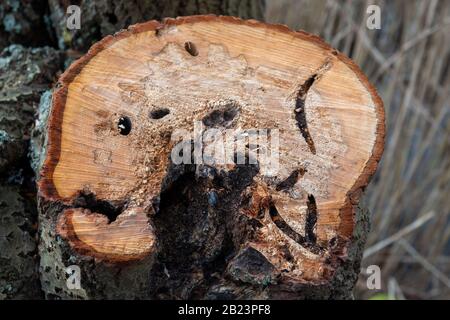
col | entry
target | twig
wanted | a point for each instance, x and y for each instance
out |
(424, 262)
(400, 234)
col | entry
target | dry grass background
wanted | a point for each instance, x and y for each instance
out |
(408, 61)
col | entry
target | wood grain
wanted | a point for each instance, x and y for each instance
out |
(192, 66)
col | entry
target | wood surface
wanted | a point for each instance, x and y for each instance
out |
(164, 76)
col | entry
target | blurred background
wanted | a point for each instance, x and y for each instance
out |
(408, 61)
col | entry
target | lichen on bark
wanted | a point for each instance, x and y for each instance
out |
(24, 74)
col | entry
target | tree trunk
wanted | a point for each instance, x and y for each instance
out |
(208, 157)
(23, 22)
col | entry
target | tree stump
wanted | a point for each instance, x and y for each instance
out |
(116, 201)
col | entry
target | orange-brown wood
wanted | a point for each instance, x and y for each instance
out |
(127, 238)
(189, 66)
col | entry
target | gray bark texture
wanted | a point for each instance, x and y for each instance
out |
(34, 259)
(24, 75)
(24, 22)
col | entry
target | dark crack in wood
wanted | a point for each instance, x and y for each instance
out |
(290, 181)
(304, 241)
(88, 200)
(300, 114)
(311, 219)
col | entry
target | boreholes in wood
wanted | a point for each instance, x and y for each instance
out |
(221, 117)
(124, 125)
(300, 114)
(159, 113)
(191, 48)
(290, 181)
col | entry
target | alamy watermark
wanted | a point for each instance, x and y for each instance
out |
(73, 281)
(373, 281)
(73, 20)
(73, 17)
(222, 147)
(374, 19)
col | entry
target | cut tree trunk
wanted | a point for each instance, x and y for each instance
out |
(116, 201)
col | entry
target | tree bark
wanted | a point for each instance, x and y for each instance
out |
(23, 22)
(24, 75)
(138, 224)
